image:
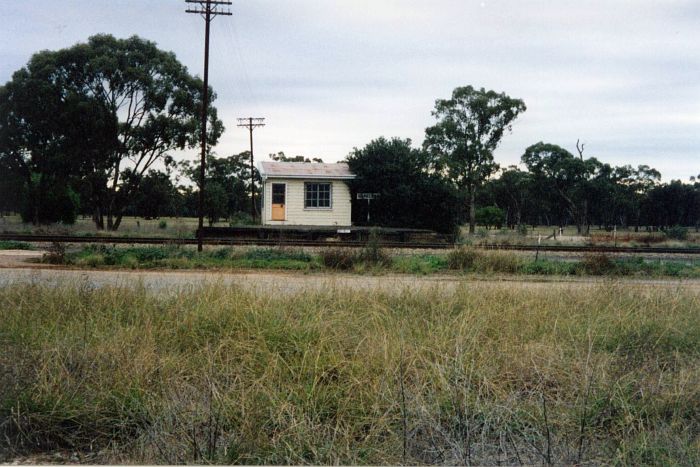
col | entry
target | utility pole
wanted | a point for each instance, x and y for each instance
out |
(208, 9)
(251, 123)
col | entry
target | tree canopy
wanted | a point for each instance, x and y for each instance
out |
(410, 195)
(470, 127)
(106, 111)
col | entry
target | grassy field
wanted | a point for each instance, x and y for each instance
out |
(372, 260)
(170, 227)
(485, 375)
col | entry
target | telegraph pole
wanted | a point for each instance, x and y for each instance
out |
(251, 123)
(208, 9)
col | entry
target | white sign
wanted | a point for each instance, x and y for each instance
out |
(367, 195)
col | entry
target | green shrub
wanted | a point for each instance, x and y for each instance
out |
(677, 232)
(162, 225)
(130, 261)
(241, 218)
(221, 253)
(548, 268)
(419, 264)
(490, 216)
(270, 254)
(521, 229)
(373, 253)
(93, 260)
(12, 245)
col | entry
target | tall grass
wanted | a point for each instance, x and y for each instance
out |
(486, 374)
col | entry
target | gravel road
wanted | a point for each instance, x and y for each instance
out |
(294, 281)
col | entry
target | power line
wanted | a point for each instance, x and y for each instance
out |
(252, 123)
(208, 9)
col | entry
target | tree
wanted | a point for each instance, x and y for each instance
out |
(512, 192)
(156, 196)
(557, 171)
(232, 175)
(490, 216)
(674, 203)
(48, 135)
(281, 157)
(470, 127)
(11, 188)
(215, 202)
(410, 195)
(147, 102)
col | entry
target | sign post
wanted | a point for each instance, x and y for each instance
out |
(369, 197)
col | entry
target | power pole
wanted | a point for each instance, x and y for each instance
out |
(208, 9)
(251, 123)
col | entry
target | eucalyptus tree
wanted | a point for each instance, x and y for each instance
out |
(470, 126)
(48, 136)
(148, 102)
(559, 172)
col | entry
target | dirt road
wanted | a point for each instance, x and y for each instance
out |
(291, 282)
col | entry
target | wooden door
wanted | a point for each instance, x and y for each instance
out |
(279, 201)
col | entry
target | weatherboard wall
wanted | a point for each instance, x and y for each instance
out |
(296, 214)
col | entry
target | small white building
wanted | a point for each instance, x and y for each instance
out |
(302, 193)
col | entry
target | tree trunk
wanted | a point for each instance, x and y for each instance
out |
(472, 210)
(117, 222)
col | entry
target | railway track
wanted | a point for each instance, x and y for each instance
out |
(116, 240)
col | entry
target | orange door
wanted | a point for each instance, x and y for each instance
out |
(279, 201)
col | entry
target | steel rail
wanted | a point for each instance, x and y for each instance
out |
(124, 240)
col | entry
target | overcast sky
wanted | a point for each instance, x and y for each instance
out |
(330, 75)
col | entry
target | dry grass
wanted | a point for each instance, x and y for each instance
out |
(487, 374)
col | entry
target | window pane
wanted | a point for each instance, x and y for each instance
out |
(317, 195)
(278, 193)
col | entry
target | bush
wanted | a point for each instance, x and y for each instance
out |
(162, 225)
(13, 245)
(55, 254)
(548, 268)
(272, 254)
(490, 216)
(221, 253)
(498, 261)
(677, 232)
(49, 203)
(373, 253)
(241, 218)
(93, 260)
(598, 264)
(339, 258)
(462, 258)
(521, 229)
(419, 264)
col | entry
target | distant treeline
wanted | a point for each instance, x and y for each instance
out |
(556, 188)
(91, 129)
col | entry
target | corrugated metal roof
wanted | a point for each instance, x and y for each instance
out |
(311, 170)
